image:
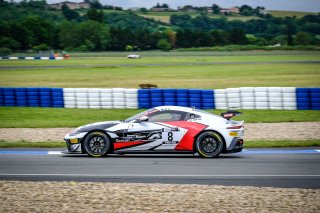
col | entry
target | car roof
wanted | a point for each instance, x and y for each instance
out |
(184, 109)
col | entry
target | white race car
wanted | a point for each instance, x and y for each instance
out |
(165, 129)
(133, 56)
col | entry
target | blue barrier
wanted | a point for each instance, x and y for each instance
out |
(306, 98)
(32, 97)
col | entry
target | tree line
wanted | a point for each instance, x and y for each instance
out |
(31, 25)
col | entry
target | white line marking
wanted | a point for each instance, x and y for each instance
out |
(148, 175)
(54, 153)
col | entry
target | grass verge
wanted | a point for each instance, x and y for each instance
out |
(270, 144)
(248, 144)
(28, 117)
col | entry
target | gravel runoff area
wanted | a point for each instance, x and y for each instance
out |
(253, 131)
(124, 197)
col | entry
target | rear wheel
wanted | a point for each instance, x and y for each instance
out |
(209, 144)
(96, 144)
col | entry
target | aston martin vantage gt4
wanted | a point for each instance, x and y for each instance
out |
(165, 129)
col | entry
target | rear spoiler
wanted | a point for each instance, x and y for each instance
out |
(230, 113)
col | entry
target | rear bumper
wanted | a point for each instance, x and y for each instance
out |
(235, 146)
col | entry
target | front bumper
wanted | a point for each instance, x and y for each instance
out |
(74, 141)
(235, 146)
(74, 147)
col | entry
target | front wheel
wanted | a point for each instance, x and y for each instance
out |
(209, 144)
(96, 144)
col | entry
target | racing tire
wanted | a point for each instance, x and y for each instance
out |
(97, 144)
(209, 144)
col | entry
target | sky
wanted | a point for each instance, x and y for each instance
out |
(293, 5)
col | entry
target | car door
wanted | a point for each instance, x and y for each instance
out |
(158, 134)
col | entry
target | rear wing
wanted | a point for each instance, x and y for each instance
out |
(230, 113)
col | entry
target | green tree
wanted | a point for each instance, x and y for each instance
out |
(89, 35)
(219, 37)
(41, 47)
(237, 36)
(246, 10)
(303, 38)
(164, 45)
(143, 10)
(95, 15)
(9, 43)
(279, 39)
(95, 4)
(129, 48)
(68, 13)
(215, 9)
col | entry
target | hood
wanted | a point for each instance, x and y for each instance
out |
(97, 126)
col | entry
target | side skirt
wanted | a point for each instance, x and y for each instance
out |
(153, 152)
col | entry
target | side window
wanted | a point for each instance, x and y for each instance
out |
(166, 116)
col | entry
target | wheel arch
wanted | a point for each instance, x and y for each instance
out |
(97, 130)
(209, 130)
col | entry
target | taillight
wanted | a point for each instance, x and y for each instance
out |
(234, 127)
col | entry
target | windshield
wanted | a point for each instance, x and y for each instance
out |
(135, 117)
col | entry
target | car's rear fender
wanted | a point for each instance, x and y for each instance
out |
(209, 130)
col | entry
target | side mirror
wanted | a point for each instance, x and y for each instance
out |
(143, 119)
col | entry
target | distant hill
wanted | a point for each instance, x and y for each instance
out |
(34, 25)
(282, 13)
(165, 16)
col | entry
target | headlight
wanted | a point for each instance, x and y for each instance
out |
(74, 133)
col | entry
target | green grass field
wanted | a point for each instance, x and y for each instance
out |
(58, 117)
(168, 71)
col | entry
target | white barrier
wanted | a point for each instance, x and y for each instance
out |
(118, 98)
(220, 99)
(256, 98)
(231, 98)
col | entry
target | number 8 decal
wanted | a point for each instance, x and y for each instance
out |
(170, 138)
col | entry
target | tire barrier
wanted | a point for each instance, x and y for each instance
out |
(308, 98)
(30, 58)
(201, 99)
(32, 97)
(277, 98)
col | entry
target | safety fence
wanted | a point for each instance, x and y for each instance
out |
(278, 98)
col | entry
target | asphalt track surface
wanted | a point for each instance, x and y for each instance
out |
(285, 168)
(156, 65)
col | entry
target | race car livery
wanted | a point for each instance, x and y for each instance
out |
(165, 129)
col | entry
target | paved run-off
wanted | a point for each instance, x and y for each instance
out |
(131, 197)
(253, 131)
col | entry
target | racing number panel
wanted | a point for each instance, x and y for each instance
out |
(192, 130)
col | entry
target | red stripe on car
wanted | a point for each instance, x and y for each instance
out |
(187, 140)
(122, 145)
